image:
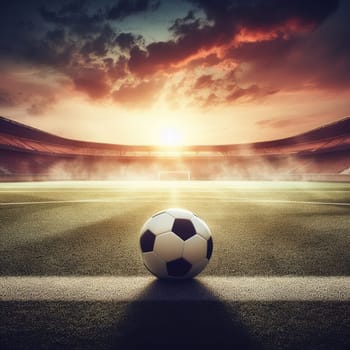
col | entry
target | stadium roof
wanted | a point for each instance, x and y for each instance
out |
(19, 137)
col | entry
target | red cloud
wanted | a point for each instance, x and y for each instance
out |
(93, 81)
(138, 96)
(203, 82)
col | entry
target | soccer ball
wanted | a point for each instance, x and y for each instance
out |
(175, 244)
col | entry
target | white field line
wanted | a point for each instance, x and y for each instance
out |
(284, 201)
(286, 288)
(159, 190)
(132, 199)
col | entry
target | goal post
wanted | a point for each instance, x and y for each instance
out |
(174, 175)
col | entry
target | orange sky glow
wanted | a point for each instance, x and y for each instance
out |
(205, 74)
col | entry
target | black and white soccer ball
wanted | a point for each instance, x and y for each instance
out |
(175, 244)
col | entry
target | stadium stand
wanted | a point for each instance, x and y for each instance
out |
(29, 153)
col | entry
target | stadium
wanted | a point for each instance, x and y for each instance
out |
(70, 266)
(319, 154)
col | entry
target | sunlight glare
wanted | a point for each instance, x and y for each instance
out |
(171, 136)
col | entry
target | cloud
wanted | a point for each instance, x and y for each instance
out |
(252, 92)
(99, 45)
(36, 95)
(209, 91)
(39, 105)
(6, 99)
(206, 61)
(228, 24)
(125, 8)
(276, 124)
(307, 122)
(75, 16)
(92, 81)
(313, 61)
(218, 88)
(203, 82)
(127, 41)
(73, 39)
(138, 96)
(229, 51)
(291, 45)
(74, 6)
(261, 14)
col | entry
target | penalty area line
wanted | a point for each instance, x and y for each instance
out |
(212, 288)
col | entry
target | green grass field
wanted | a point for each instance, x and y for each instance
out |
(90, 229)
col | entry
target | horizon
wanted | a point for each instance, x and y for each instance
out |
(156, 72)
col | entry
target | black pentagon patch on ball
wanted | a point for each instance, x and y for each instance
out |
(147, 241)
(184, 228)
(209, 248)
(178, 267)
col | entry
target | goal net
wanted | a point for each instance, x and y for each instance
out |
(177, 175)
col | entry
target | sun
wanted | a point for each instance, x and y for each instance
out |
(171, 136)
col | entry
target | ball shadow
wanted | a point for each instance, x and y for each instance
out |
(180, 315)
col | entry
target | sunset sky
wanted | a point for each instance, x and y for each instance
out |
(196, 71)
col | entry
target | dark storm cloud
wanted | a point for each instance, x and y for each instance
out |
(73, 7)
(69, 37)
(125, 8)
(266, 13)
(286, 44)
(56, 36)
(162, 55)
(318, 59)
(127, 41)
(75, 38)
(74, 16)
(33, 34)
(225, 21)
(99, 45)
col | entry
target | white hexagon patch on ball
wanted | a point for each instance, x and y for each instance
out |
(175, 244)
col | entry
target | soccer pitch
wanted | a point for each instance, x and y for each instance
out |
(71, 275)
